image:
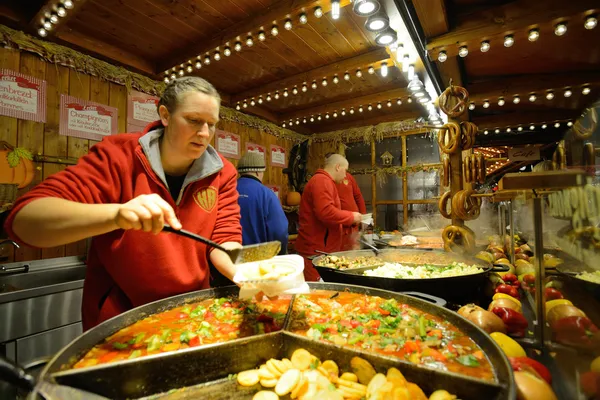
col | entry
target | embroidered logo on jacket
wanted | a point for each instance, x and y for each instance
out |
(206, 198)
(345, 181)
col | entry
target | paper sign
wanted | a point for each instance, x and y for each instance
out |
(276, 189)
(86, 119)
(277, 156)
(256, 148)
(22, 96)
(141, 108)
(228, 144)
(524, 153)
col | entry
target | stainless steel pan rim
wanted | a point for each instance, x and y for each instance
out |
(75, 349)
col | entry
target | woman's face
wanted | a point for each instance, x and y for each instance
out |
(189, 130)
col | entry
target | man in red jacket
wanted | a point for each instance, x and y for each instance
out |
(125, 190)
(321, 217)
(351, 199)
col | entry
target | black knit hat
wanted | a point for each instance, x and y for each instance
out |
(251, 162)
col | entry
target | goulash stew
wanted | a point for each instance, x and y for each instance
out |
(388, 327)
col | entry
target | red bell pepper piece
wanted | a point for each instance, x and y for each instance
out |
(529, 280)
(507, 289)
(510, 278)
(521, 363)
(411, 347)
(514, 321)
(552, 294)
(195, 341)
(575, 331)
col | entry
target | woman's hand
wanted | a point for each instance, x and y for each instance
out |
(147, 212)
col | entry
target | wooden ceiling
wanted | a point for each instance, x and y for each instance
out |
(507, 77)
(155, 37)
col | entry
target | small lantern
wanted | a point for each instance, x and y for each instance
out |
(387, 158)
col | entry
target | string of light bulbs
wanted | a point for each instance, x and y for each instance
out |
(316, 84)
(532, 97)
(544, 125)
(560, 29)
(315, 118)
(238, 45)
(52, 17)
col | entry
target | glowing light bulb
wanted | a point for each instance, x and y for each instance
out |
(303, 18)
(509, 40)
(295, 90)
(371, 70)
(285, 93)
(335, 79)
(68, 4)
(399, 102)
(568, 93)
(557, 125)
(249, 41)
(560, 29)
(549, 95)
(268, 97)
(389, 103)
(261, 36)
(442, 56)
(335, 9)
(318, 12)
(217, 56)
(501, 101)
(379, 106)
(61, 11)
(189, 69)
(370, 107)
(314, 85)
(324, 82)
(304, 88)
(260, 100)
(346, 76)
(463, 51)
(358, 73)
(532, 98)
(227, 51)
(534, 35)
(288, 24)
(586, 90)
(274, 30)
(486, 104)
(352, 110)
(384, 69)
(544, 126)
(590, 22)
(516, 100)
(485, 46)
(471, 106)
(531, 127)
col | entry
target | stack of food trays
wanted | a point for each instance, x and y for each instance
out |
(432, 347)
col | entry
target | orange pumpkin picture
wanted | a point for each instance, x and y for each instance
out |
(23, 171)
(293, 198)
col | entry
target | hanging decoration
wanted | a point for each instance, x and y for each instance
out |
(367, 133)
(382, 173)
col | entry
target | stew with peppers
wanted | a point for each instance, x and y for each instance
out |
(190, 325)
(388, 327)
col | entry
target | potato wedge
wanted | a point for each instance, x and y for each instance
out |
(264, 373)
(248, 378)
(375, 384)
(415, 392)
(301, 359)
(349, 376)
(349, 393)
(363, 369)
(396, 377)
(273, 368)
(265, 395)
(288, 363)
(401, 394)
(331, 366)
(300, 388)
(288, 381)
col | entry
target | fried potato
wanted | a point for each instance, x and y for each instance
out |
(268, 383)
(265, 395)
(300, 388)
(349, 393)
(375, 384)
(349, 376)
(363, 369)
(396, 377)
(288, 363)
(248, 378)
(288, 381)
(415, 392)
(401, 394)
(301, 359)
(384, 392)
(331, 366)
(264, 373)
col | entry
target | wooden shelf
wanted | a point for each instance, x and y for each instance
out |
(541, 180)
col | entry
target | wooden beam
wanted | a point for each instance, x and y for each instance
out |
(524, 118)
(339, 67)
(265, 18)
(523, 85)
(432, 16)
(339, 125)
(106, 51)
(508, 18)
(50, 7)
(372, 99)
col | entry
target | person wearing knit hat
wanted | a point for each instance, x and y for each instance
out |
(263, 219)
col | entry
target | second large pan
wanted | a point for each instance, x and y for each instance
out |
(456, 288)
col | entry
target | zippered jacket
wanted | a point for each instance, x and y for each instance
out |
(129, 268)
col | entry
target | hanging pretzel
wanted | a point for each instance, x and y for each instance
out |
(460, 95)
(559, 158)
(446, 176)
(476, 168)
(469, 132)
(443, 205)
(467, 169)
(589, 158)
(482, 172)
(458, 238)
(584, 132)
(465, 206)
(449, 138)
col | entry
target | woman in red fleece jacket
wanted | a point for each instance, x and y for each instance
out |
(321, 216)
(125, 190)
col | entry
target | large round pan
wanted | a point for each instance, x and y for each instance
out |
(573, 275)
(456, 288)
(166, 371)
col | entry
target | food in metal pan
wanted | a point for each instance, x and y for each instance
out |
(590, 276)
(388, 327)
(342, 262)
(190, 325)
(267, 271)
(397, 270)
(317, 381)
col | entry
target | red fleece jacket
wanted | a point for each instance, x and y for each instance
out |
(127, 269)
(321, 219)
(351, 198)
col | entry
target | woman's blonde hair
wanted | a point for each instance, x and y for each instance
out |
(177, 88)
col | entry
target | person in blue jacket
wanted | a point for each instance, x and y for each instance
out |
(263, 219)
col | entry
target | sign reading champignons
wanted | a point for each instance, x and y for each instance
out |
(86, 119)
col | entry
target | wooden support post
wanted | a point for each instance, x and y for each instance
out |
(404, 185)
(373, 184)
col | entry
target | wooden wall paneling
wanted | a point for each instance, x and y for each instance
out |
(79, 87)
(118, 99)
(8, 127)
(31, 137)
(57, 78)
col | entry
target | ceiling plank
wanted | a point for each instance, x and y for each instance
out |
(338, 67)
(433, 17)
(372, 99)
(114, 54)
(249, 24)
(338, 125)
(49, 8)
(524, 118)
(525, 84)
(514, 16)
